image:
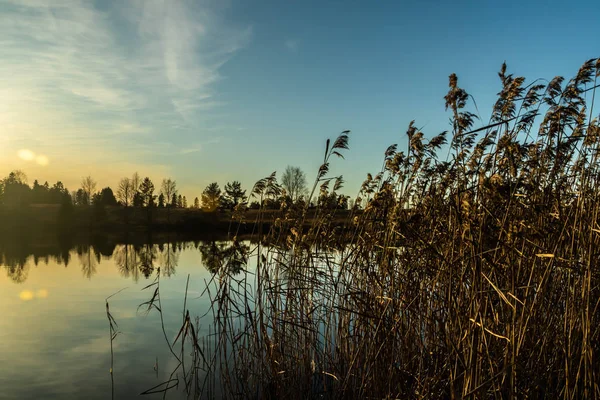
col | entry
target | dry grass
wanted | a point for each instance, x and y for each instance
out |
(470, 273)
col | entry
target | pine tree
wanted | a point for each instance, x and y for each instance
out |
(147, 192)
(211, 197)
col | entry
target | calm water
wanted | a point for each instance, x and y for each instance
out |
(54, 331)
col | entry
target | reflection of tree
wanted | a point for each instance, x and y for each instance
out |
(103, 247)
(14, 256)
(147, 256)
(230, 255)
(168, 258)
(17, 270)
(88, 259)
(126, 258)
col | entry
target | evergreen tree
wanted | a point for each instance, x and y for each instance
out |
(147, 192)
(138, 200)
(58, 193)
(81, 198)
(211, 197)
(233, 195)
(105, 197)
(16, 192)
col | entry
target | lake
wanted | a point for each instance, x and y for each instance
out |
(55, 335)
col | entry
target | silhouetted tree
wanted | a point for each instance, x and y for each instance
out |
(161, 201)
(81, 198)
(147, 192)
(99, 207)
(16, 192)
(211, 197)
(168, 188)
(65, 211)
(125, 192)
(174, 200)
(105, 197)
(196, 203)
(179, 201)
(233, 195)
(333, 201)
(135, 182)
(17, 176)
(293, 181)
(39, 193)
(138, 200)
(58, 194)
(89, 187)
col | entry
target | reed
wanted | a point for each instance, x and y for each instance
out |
(471, 272)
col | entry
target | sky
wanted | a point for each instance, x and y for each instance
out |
(222, 90)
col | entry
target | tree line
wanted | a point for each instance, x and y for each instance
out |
(142, 193)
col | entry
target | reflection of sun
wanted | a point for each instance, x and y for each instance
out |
(26, 295)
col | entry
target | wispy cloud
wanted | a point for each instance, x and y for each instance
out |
(190, 150)
(80, 77)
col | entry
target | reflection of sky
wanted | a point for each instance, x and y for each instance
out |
(54, 333)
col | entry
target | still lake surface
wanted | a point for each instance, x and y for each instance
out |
(54, 330)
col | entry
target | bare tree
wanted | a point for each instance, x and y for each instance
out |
(89, 187)
(18, 176)
(294, 182)
(125, 192)
(168, 188)
(135, 182)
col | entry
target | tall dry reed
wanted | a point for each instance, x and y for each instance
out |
(471, 272)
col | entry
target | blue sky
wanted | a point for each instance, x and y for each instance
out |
(213, 90)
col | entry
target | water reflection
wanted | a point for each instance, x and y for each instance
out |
(54, 333)
(231, 256)
(132, 260)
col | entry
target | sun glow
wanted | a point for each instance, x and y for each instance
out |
(28, 155)
(25, 154)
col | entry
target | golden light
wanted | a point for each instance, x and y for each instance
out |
(41, 160)
(26, 295)
(25, 154)
(41, 294)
